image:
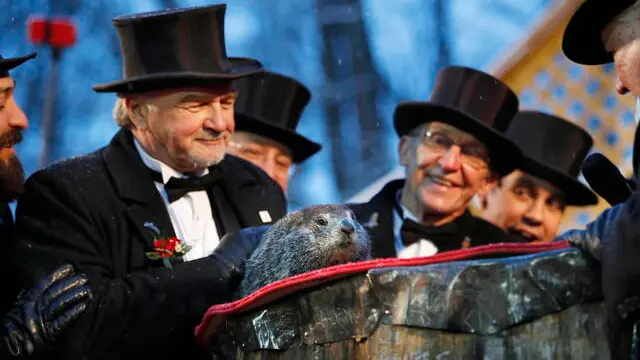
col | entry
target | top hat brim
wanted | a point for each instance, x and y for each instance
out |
(582, 39)
(240, 67)
(575, 192)
(10, 63)
(505, 155)
(301, 147)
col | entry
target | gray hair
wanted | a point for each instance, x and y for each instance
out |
(623, 29)
(120, 114)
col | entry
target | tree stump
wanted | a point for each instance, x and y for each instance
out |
(542, 306)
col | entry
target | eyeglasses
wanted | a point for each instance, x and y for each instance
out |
(472, 154)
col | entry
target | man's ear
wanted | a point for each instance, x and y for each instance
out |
(404, 147)
(137, 112)
(489, 185)
(482, 201)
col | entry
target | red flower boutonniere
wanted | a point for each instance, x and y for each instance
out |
(165, 249)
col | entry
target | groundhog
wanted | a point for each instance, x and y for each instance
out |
(309, 239)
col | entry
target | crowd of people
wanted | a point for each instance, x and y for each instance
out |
(118, 253)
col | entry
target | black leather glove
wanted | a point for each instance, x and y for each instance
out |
(42, 313)
(590, 239)
(234, 250)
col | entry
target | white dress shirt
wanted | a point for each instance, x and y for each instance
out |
(190, 215)
(420, 248)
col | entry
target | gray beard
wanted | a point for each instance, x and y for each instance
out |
(201, 164)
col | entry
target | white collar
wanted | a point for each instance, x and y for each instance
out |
(406, 213)
(154, 164)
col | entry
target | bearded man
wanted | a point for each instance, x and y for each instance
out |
(31, 324)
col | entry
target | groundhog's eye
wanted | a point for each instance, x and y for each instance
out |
(321, 221)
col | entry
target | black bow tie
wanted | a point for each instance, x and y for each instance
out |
(178, 187)
(445, 237)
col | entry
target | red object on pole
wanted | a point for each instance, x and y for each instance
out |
(55, 32)
(58, 34)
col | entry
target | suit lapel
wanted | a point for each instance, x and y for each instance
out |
(243, 194)
(6, 223)
(144, 206)
(377, 217)
(224, 212)
(239, 192)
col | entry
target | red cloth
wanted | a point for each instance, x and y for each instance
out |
(216, 314)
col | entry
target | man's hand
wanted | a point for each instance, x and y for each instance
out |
(234, 249)
(590, 239)
(46, 310)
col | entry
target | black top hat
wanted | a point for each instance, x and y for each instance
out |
(175, 48)
(270, 105)
(582, 39)
(472, 101)
(553, 149)
(7, 64)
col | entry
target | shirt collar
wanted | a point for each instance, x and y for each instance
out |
(165, 170)
(406, 213)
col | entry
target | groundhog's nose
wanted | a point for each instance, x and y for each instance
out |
(347, 227)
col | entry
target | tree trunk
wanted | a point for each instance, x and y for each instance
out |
(352, 90)
(442, 34)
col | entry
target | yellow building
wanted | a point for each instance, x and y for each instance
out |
(546, 80)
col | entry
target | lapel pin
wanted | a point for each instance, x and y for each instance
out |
(466, 243)
(373, 221)
(264, 216)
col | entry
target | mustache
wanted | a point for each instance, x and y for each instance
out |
(435, 171)
(11, 138)
(214, 135)
(432, 170)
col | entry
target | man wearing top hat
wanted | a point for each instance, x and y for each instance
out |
(13, 122)
(452, 148)
(31, 324)
(267, 112)
(531, 200)
(602, 32)
(145, 215)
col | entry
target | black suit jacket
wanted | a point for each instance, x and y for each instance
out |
(6, 229)
(377, 217)
(90, 211)
(621, 277)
